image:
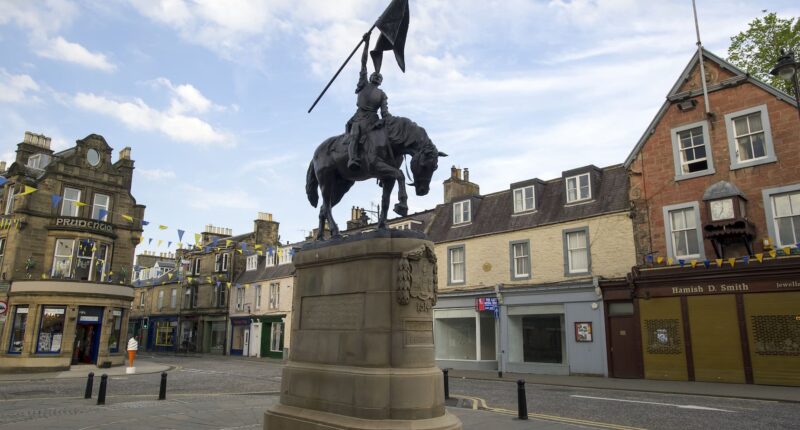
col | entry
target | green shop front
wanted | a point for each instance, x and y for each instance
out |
(269, 333)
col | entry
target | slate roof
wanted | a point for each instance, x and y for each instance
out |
(163, 279)
(494, 213)
(263, 273)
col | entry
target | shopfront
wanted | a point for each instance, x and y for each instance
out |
(558, 329)
(162, 333)
(272, 335)
(240, 336)
(721, 324)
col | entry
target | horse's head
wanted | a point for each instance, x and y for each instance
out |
(423, 164)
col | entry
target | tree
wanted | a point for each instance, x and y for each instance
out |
(757, 49)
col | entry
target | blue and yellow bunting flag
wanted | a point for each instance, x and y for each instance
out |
(732, 261)
(79, 204)
(180, 235)
(693, 263)
(746, 259)
(55, 199)
(128, 218)
(760, 257)
(773, 253)
(669, 261)
(228, 242)
(28, 190)
(162, 227)
(787, 250)
(719, 262)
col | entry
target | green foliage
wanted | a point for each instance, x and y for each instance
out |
(757, 49)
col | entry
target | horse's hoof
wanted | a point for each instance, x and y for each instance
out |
(401, 210)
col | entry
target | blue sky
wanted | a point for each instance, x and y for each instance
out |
(212, 95)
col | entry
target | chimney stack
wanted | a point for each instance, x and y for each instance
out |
(458, 187)
(265, 229)
(125, 153)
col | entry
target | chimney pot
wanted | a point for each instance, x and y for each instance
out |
(466, 174)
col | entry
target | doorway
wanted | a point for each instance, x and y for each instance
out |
(87, 335)
(625, 352)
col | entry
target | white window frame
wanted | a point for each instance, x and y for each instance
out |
(68, 206)
(577, 179)
(196, 266)
(239, 298)
(523, 200)
(569, 250)
(217, 260)
(252, 262)
(258, 296)
(514, 256)
(462, 212)
(173, 298)
(96, 206)
(160, 302)
(141, 299)
(71, 257)
(698, 228)
(677, 156)
(769, 211)
(10, 199)
(733, 147)
(276, 330)
(225, 258)
(451, 280)
(274, 295)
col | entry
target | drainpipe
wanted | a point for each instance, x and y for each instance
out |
(501, 342)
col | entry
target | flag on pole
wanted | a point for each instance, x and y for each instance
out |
(28, 190)
(393, 25)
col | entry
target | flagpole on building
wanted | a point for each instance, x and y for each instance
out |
(340, 69)
(700, 59)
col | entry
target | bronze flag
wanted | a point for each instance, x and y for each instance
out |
(393, 24)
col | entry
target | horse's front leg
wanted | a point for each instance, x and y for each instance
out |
(388, 186)
(401, 208)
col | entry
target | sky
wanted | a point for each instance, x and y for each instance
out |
(212, 96)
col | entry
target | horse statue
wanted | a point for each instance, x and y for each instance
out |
(386, 145)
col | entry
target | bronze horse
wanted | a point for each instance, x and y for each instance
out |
(383, 154)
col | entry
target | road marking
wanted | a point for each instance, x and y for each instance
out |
(480, 404)
(694, 407)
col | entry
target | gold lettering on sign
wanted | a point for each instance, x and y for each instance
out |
(787, 284)
(696, 289)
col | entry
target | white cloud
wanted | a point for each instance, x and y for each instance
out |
(138, 115)
(61, 49)
(267, 164)
(156, 174)
(17, 88)
(186, 98)
(205, 198)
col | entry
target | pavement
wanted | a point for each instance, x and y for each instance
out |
(716, 389)
(81, 371)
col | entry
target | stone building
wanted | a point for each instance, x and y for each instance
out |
(261, 304)
(156, 303)
(715, 190)
(207, 274)
(69, 229)
(535, 253)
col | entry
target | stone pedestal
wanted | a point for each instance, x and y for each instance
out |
(362, 353)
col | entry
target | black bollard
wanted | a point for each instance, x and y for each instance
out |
(446, 384)
(101, 395)
(89, 384)
(162, 391)
(522, 403)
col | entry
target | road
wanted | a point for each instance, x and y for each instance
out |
(208, 389)
(652, 411)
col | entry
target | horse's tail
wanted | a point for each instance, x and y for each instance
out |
(311, 185)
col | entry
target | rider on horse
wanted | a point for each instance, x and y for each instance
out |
(370, 99)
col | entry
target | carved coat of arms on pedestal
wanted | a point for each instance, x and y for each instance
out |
(417, 278)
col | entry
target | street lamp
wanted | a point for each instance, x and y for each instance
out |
(787, 69)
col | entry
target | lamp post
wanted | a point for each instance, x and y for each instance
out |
(787, 69)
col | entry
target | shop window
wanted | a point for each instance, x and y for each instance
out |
(663, 336)
(276, 337)
(776, 335)
(218, 335)
(487, 336)
(455, 339)
(18, 329)
(116, 330)
(164, 333)
(543, 338)
(51, 330)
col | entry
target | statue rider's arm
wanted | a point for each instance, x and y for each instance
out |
(385, 106)
(362, 75)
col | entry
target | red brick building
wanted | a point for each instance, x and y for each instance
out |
(715, 193)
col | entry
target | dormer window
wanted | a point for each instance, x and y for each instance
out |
(462, 212)
(578, 188)
(252, 262)
(38, 161)
(524, 199)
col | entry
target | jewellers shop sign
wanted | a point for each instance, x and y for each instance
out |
(85, 224)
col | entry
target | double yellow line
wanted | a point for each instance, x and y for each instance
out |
(480, 404)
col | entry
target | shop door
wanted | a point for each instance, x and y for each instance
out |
(626, 357)
(87, 335)
(246, 347)
(716, 340)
